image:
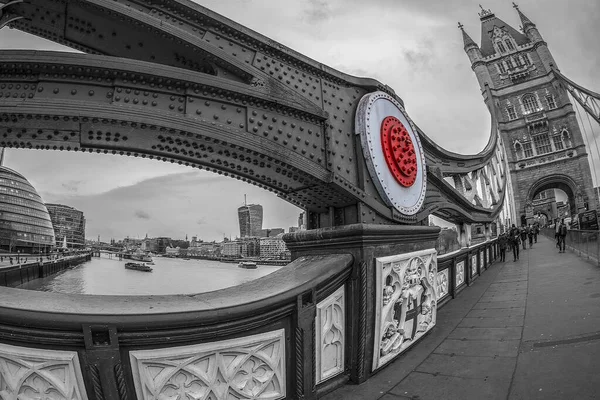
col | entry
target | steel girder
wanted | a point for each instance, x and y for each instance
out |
(589, 100)
(174, 81)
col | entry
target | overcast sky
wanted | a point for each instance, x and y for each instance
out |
(413, 46)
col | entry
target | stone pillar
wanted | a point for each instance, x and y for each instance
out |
(367, 244)
(464, 235)
(488, 231)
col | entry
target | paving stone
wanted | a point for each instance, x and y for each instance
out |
(437, 387)
(500, 304)
(469, 367)
(497, 312)
(508, 333)
(493, 322)
(506, 297)
(483, 348)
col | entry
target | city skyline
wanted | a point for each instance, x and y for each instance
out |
(427, 68)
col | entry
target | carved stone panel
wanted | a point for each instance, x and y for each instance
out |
(442, 283)
(473, 265)
(488, 256)
(330, 336)
(405, 303)
(482, 259)
(40, 374)
(460, 273)
(251, 367)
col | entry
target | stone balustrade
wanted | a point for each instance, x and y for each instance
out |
(352, 300)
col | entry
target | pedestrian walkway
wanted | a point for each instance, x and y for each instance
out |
(525, 330)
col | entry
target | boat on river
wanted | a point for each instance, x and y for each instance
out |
(247, 265)
(138, 267)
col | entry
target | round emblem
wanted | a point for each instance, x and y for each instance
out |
(393, 152)
(399, 151)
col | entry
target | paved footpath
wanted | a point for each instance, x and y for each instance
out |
(525, 330)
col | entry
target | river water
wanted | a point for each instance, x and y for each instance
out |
(106, 276)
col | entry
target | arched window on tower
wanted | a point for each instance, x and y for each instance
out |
(501, 47)
(530, 103)
(509, 44)
(509, 63)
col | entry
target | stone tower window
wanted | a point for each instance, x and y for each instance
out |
(512, 115)
(526, 59)
(542, 144)
(501, 68)
(530, 103)
(528, 151)
(551, 102)
(509, 63)
(558, 143)
(501, 47)
(509, 44)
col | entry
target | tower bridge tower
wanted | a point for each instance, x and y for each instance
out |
(537, 121)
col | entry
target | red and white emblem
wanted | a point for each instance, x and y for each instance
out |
(393, 152)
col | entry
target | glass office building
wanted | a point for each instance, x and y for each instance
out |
(25, 225)
(250, 217)
(68, 222)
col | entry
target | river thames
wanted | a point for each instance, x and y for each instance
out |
(106, 276)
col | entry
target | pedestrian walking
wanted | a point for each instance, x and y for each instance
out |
(556, 227)
(536, 232)
(502, 242)
(523, 232)
(562, 235)
(514, 236)
(530, 235)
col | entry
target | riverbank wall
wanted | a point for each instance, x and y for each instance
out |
(15, 275)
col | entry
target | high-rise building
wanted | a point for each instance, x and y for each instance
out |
(68, 223)
(25, 224)
(536, 119)
(251, 218)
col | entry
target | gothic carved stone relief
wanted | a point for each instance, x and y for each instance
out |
(482, 258)
(330, 335)
(460, 273)
(251, 367)
(473, 265)
(28, 374)
(442, 283)
(405, 304)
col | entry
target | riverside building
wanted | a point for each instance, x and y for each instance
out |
(68, 222)
(25, 224)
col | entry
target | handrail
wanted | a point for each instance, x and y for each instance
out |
(69, 311)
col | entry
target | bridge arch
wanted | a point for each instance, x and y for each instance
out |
(556, 181)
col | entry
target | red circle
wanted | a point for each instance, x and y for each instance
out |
(399, 151)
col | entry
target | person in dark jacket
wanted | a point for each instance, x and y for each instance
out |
(523, 232)
(530, 234)
(536, 231)
(513, 238)
(562, 234)
(502, 242)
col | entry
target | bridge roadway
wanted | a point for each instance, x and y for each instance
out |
(525, 330)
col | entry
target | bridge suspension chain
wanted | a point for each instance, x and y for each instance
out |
(589, 100)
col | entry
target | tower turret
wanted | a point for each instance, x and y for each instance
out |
(474, 53)
(534, 35)
(528, 27)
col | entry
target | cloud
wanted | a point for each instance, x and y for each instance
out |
(317, 11)
(142, 214)
(71, 186)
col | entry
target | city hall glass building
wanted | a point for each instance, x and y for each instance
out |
(25, 224)
(68, 222)
(251, 218)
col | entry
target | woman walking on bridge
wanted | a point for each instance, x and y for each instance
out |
(514, 237)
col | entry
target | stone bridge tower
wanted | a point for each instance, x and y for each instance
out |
(537, 121)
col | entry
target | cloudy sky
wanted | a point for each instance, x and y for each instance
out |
(412, 46)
